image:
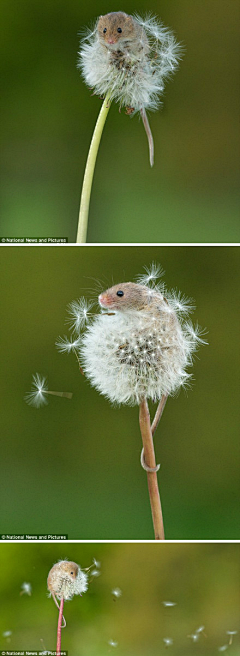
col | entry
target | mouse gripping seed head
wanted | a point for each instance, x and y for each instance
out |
(129, 58)
(66, 579)
(141, 346)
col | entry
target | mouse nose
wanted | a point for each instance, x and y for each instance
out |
(111, 40)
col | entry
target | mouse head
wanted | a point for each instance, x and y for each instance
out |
(126, 296)
(115, 27)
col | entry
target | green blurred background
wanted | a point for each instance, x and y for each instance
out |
(74, 466)
(202, 579)
(48, 116)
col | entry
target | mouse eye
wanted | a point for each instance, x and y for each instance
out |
(119, 29)
(104, 31)
(120, 293)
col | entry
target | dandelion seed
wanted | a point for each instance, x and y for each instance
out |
(113, 643)
(39, 389)
(26, 589)
(67, 345)
(37, 395)
(79, 312)
(168, 641)
(200, 630)
(231, 634)
(194, 637)
(96, 563)
(169, 603)
(95, 573)
(116, 592)
(223, 648)
(7, 634)
(153, 273)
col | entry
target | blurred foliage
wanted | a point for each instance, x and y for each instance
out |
(74, 466)
(202, 579)
(48, 114)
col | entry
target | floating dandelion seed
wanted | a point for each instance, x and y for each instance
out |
(200, 629)
(168, 641)
(95, 573)
(194, 637)
(26, 589)
(112, 643)
(223, 648)
(96, 562)
(37, 396)
(116, 592)
(231, 634)
(7, 634)
(169, 603)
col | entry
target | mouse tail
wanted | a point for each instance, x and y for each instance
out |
(149, 135)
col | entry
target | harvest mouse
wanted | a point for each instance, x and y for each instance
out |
(125, 39)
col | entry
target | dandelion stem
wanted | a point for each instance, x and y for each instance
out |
(59, 628)
(149, 455)
(89, 171)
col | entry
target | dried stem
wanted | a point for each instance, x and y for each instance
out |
(149, 456)
(89, 171)
(59, 629)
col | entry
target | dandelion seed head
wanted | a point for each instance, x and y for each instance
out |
(138, 347)
(130, 58)
(66, 579)
(39, 388)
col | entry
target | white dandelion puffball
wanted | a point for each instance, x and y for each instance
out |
(140, 346)
(66, 579)
(130, 58)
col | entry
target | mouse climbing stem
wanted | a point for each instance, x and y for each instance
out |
(150, 462)
(89, 171)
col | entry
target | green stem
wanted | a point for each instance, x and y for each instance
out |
(89, 171)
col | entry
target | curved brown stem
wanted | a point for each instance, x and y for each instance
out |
(149, 456)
